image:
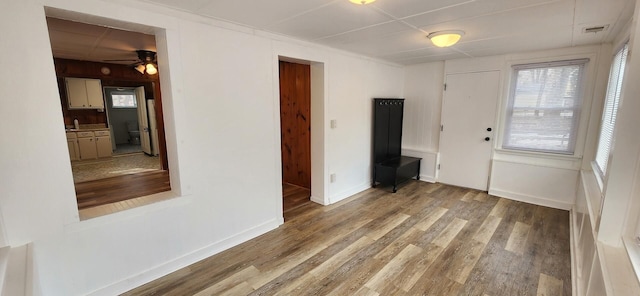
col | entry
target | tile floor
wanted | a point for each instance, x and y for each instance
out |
(87, 170)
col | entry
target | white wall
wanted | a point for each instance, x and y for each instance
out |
(531, 177)
(350, 103)
(222, 124)
(621, 207)
(609, 214)
(423, 88)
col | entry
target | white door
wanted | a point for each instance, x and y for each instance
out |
(468, 119)
(153, 127)
(143, 121)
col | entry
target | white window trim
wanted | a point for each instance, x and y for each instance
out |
(591, 53)
(577, 120)
(600, 174)
(123, 92)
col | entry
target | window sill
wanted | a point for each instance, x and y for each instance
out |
(538, 154)
(599, 180)
(124, 205)
(561, 161)
(618, 274)
(633, 251)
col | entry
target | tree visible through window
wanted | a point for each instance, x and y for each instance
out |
(544, 107)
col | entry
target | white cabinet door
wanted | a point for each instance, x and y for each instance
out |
(468, 119)
(76, 93)
(94, 93)
(103, 146)
(74, 153)
(87, 148)
(84, 93)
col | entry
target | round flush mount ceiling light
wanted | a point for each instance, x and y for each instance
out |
(362, 2)
(445, 38)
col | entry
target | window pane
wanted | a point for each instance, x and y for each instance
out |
(612, 100)
(544, 107)
(124, 101)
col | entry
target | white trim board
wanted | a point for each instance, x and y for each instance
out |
(540, 201)
(334, 198)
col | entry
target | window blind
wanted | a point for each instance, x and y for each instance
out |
(612, 101)
(544, 107)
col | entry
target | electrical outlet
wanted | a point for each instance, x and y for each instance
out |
(332, 177)
(334, 123)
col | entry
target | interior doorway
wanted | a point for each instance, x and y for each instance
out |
(295, 134)
(131, 117)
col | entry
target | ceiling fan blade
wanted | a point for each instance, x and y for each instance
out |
(125, 60)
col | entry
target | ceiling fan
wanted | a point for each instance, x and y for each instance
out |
(146, 62)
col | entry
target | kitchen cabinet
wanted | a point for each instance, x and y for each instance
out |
(87, 145)
(103, 143)
(84, 93)
(72, 144)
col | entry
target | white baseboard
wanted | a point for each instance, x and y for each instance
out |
(334, 198)
(318, 200)
(186, 260)
(541, 201)
(428, 179)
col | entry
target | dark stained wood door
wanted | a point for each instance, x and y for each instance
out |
(295, 123)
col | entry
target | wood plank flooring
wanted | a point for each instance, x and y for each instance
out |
(293, 197)
(124, 187)
(427, 239)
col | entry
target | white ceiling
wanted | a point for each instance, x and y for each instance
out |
(392, 30)
(80, 41)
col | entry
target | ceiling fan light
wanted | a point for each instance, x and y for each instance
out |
(445, 38)
(151, 69)
(140, 68)
(362, 2)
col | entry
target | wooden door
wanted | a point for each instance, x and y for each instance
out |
(468, 118)
(295, 123)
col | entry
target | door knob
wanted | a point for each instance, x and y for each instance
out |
(488, 129)
(487, 139)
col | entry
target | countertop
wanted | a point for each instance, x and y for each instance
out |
(86, 129)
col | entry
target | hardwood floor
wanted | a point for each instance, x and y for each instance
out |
(293, 197)
(115, 189)
(427, 239)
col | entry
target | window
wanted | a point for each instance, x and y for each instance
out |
(544, 107)
(612, 100)
(123, 99)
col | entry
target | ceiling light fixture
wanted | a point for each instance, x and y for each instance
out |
(361, 2)
(140, 68)
(445, 38)
(147, 62)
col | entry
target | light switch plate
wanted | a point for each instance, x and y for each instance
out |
(334, 123)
